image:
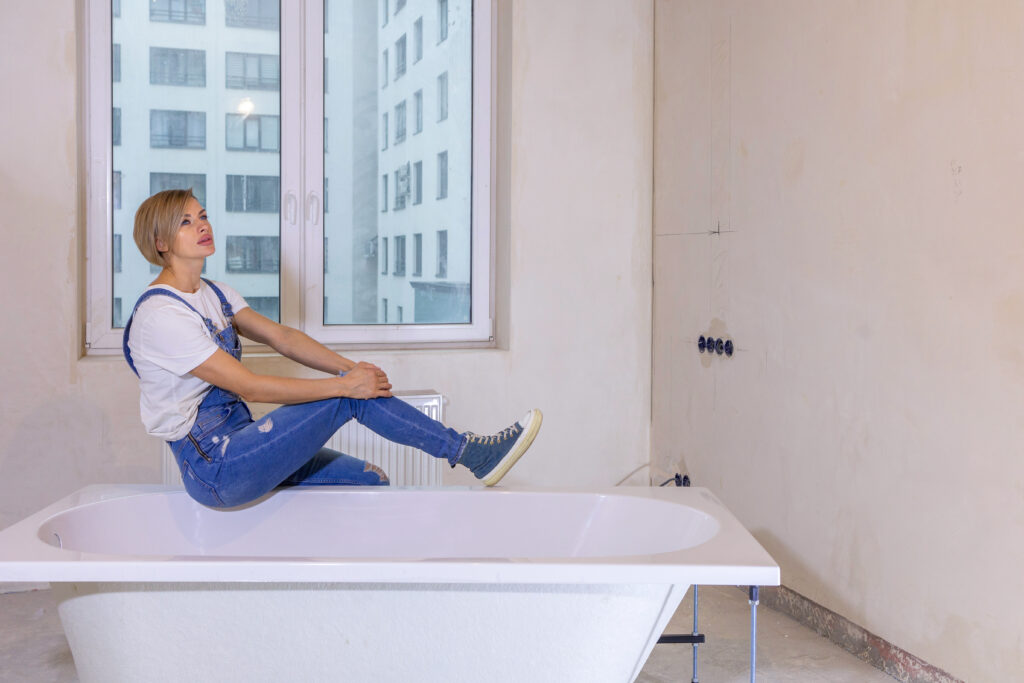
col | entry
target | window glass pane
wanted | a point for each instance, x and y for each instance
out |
(379, 196)
(181, 124)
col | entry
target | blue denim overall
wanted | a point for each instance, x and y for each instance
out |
(228, 459)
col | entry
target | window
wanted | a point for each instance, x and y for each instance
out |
(186, 129)
(417, 254)
(179, 181)
(253, 193)
(178, 11)
(253, 254)
(265, 184)
(399, 4)
(417, 98)
(250, 71)
(442, 175)
(442, 253)
(442, 20)
(268, 306)
(115, 8)
(384, 12)
(118, 319)
(384, 309)
(417, 183)
(399, 255)
(400, 122)
(442, 96)
(173, 66)
(400, 57)
(401, 187)
(253, 133)
(417, 40)
(262, 14)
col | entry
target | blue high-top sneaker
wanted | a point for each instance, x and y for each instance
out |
(490, 457)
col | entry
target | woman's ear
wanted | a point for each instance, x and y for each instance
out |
(161, 246)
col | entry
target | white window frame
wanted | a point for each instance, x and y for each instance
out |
(302, 172)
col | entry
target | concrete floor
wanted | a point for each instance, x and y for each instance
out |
(33, 648)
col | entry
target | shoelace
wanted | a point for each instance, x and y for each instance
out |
(504, 434)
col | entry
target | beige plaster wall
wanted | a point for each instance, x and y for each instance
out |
(574, 264)
(863, 161)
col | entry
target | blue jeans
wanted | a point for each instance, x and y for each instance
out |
(227, 459)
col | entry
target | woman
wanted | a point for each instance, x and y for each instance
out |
(182, 341)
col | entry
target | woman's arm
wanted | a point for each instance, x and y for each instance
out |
(221, 369)
(290, 343)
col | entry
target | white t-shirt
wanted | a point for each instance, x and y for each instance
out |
(167, 341)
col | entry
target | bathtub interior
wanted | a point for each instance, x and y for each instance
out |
(379, 524)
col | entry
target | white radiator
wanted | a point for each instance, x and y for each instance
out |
(405, 466)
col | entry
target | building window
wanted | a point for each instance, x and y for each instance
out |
(384, 130)
(179, 181)
(384, 69)
(417, 254)
(115, 190)
(400, 57)
(442, 96)
(117, 253)
(399, 255)
(263, 14)
(384, 12)
(384, 194)
(401, 187)
(400, 122)
(183, 129)
(178, 11)
(253, 254)
(176, 66)
(384, 308)
(417, 40)
(253, 133)
(118, 320)
(442, 20)
(250, 71)
(115, 8)
(417, 99)
(442, 175)
(253, 193)
(269, 306)
(115, 63)
(399, 4)
(383, 255)
(442, 254)
(417, 183)
(115, 120)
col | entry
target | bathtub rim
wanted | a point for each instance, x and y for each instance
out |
(730, 557)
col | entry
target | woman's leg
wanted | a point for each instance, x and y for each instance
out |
(247, 463)
(330, 467)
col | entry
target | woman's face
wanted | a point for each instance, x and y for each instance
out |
(195, 235)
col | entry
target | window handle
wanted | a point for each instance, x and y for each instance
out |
(313, 208)
(291, 208)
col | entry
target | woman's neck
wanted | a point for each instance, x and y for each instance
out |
(185, 277)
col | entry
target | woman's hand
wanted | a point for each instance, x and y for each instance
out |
(366, 380)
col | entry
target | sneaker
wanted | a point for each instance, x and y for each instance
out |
(490, 457)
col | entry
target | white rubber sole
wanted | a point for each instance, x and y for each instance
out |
(531, 425)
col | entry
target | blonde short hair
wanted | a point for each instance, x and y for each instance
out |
(159, 218)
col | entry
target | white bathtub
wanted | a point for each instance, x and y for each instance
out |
(333, 584)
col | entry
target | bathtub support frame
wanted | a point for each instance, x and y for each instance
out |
(697, 638)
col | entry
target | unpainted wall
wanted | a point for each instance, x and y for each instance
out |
(837, 191)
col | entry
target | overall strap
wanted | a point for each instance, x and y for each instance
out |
(162, 292)
(229, 313)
